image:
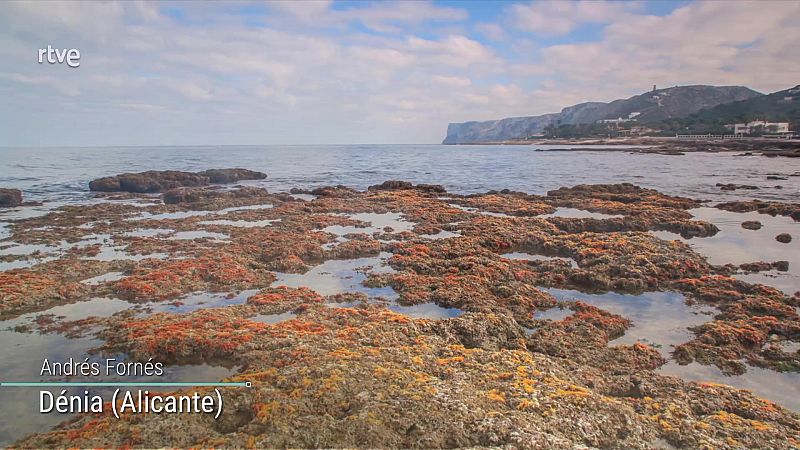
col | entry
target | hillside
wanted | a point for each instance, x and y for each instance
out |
(654, 106)
(781, 106)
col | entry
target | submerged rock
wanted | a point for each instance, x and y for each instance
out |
(733, 187)
(751, 225)
(10, 197)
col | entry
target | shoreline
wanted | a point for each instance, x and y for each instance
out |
(766, 147)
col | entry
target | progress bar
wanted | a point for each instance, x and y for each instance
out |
(123, 384)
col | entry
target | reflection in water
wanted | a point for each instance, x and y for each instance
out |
(241, 223)
(736, 245)
(780, 387)
(273, 318)
(197, 300)
(444, 234)
(555, 314)
(104, 278)
(148, 232)
(377, 221)
(427, 311)
(660, 319)
(339, 276)
(199, 234)
(471, 209)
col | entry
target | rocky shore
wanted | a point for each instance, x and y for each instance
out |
(349, 370)
(671, 146)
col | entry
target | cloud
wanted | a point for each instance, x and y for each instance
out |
(321, 72)
(142, 106)
(561, 17)
(701, 43)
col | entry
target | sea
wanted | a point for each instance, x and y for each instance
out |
(63, 174)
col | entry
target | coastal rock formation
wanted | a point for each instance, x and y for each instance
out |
(350, 370)
(10, 197)
(205, 195)
(394, 185)
(763, 207)
(784, 238)
(163, 180)
(145, 182)
(231, 175)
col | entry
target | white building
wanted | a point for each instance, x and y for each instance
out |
(761, 125)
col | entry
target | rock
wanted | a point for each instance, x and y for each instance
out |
(391, 185)
(338, 191)
(771, 208)
(733, 187)
(751, 225)
(231, 175)
(784, 238)
(761, 266)
(164, 180)
(148, 182)
(398, 185)
(775, 177)
(670, 152)
(435, 188)
(10, 197)
(192, 195)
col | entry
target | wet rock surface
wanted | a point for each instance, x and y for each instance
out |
(349, 369)
(208, 196)
(762, 207)
(784, 238)
(751, 225)
(733, 187)
(164, 180)
(10, 197)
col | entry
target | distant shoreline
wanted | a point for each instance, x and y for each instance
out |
(671, 146)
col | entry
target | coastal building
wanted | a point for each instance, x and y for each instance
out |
(631, 118)
(759, 126)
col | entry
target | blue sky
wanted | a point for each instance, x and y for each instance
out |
(244, 72)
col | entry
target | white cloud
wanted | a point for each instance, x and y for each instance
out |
(702, 43)
(142, 106)
(363, 72)
(561, 17)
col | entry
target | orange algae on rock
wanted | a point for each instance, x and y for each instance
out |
(368, 377)
(171, 279)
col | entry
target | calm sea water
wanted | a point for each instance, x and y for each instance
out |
(64, 173)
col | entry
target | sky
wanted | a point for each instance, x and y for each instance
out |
(321, 72)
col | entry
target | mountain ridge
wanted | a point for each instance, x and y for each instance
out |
(652, 106)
